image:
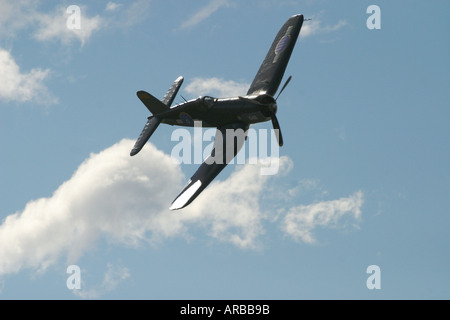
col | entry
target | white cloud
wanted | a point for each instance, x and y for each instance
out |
(217, 87)
(316, 26)
(204, 13)
(300, 221)
(22, 87)
(126, 199)
(238, 220)
(55, 26)
(15, 16)
(51, 26)
(110, 195)
(19, 15)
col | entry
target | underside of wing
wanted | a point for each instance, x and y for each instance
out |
(228, 142)
(271, 72)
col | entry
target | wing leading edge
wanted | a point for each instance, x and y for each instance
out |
(272, 69)
(227, 143)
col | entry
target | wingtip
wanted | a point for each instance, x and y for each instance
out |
(186, 196)
(298, 15)
(133, 152)
(173, 208)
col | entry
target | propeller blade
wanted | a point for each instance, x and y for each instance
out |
(276, 126)
(284, 87)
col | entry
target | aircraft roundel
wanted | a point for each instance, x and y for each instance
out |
(186, 119)
(282, 44)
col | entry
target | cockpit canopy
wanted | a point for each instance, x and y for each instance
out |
(208, 101)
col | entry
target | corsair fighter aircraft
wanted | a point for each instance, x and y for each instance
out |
(237, 113)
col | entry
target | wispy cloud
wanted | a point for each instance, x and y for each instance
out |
(121, 16)
(112, 6)
(204, 13)
(16, 16)
(22, 86)
(20, 15)
(125, 200)
(316, 26)
(113, 277)
(53, 26)
(216, 86)
(300, 221)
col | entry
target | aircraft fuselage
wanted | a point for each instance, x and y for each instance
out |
(217, 112)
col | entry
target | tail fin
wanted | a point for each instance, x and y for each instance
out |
(271, 72)
(156, 107)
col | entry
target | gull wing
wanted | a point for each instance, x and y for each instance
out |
(227, 143)
(271, 72)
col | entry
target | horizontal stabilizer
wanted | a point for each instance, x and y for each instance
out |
(155, 106)
(150, 127)
(172, 92)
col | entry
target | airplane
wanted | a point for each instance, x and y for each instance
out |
(236, 113)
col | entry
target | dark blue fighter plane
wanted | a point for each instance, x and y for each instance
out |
(238, 113)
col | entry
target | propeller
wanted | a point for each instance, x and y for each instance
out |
(275, 123)
(276, 126)
(284, 87)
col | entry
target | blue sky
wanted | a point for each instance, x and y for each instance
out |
(364, 175)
